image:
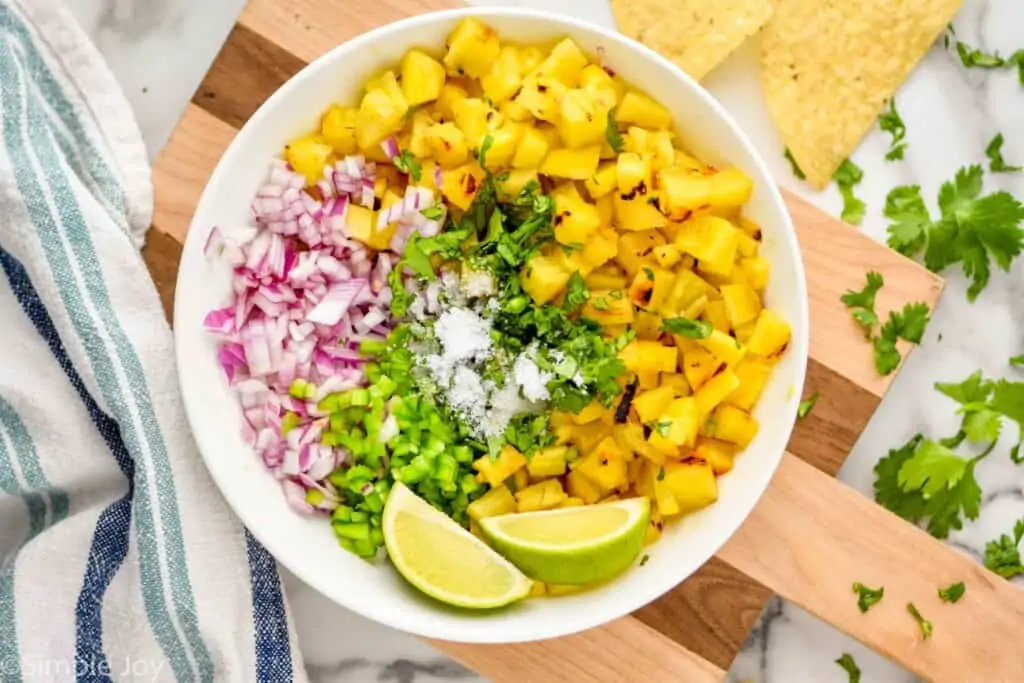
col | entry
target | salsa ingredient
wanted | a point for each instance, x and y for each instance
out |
(953, 592)
(924, 624)
(994, 152)
(1002, 555)
(848, 176)
(806, 406)
(867, 597)
(847, 663)
(907, 324)
(891, 122)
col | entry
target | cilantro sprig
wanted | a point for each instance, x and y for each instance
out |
(806, 406)
(612, 133)
(847, 663)
(908, 324)
(996, 162)
(797, 171)
(976, 58)
(973, 230)
(867, 597)
(953, 592)
(923, 624)
(686, 327)
(892, 123)
(1002, 555)
(848, 176)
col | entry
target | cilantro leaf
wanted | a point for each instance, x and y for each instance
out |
(908, 324)
(797, 171)
(434, 211)
(905, 206)
(1018, 59)
(1017, 361)
(926, 626)
(406, 163)
(862, 303)
(994, 152)
(400, 297)
(694, 329)
(1002, 556)
(485, 146)
(847, 176)
(953, 592)
(974, 389)
(612, 133)
(417, 259)
(981, 424)
(576, 292)
(806, 406)
(887, 356)
(1008, 400)
(974, 57)
(926, 480)
(891, 123)
(867, 597)
(850, 666)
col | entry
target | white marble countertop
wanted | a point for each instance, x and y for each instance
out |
(951, 114)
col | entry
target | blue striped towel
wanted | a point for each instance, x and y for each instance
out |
(120, 560)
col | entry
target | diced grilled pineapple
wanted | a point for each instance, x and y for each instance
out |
(605, 180)
(678, 424)
(504, 78)
(511, 183)
(533, 147)
(308, 156)
(497, 501)
(635, 211)
(770, 335)
(685, 191)
(548, 462)
(651, 287)
(445, 105)
(643, 111)
(734, 425)
(635, 250)
(730, 189)
(742, 303)
(496, 471)
(565, 63)
(633, 173)
(461, 184)
(544, 278)
(604, 308)
(580, 486)
(699, 365)
(605, 466)
(582, 121)
(667, 256)
(447, 144)
(601, 247)
(544, 495)
(755, 271)
(753, 374)
(692, 483)
(712, 241)
(574, 164)
(504, 143)
(575, 219)
(422, 77)
(541, 95)
(472, 48)
(608, 277)
(648, 356)
(476, 119)
(338, 128)
(652, 403)
(726, 348)
(714, 391)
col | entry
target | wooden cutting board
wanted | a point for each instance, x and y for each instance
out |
(809, 538)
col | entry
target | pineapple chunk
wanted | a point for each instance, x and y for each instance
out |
(730, 189)
(714, 391)
(603, 181)
(586, 437)
(508, 462)
(635, 250)
(543, 495)
(630, 437)
(648, 356)
(497, 501)
(418, 145)
(565, 63)
(648, 379)
(734, 425)
(753, 375)
(530, 58)
(512, 183)
(596, 80)
(572, 503)
(461, 184)
(633, 173)
(711, 240)
(692, 484)
(447, 144)
(360, 223)
(634, 211)
(677, 382)
(381, 113)
(533, 147)
(725, 348)
(755, 271)
(719, 454)
(742, 303)
(714, 313)
(652, 403)
(748, 246)
(308, 156)
(682, 417)
(699, 365)
(661, 493)
(643, 111)
(574, 164)
(602, 246)
(579, 486)
(338, 128)
(651, 287)
(606, 310)
(475, 119)
(575, 219)
(549, 462)
(606, 277)
(544, 277)
(582, 121)
(513, 111)
(472, 49)
(647, 325)
(504, 142)
(667, 256)
(770, 336)
(687, 289)
(541, 96)
(605, 467)
(685, 191)
(422, 77)
(520, 480)
(590, 413)
(445, 105)
(505, 76)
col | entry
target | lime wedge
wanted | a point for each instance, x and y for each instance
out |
(445, 561)
(575, 545)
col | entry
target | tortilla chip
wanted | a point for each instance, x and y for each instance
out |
(830, 66)
(695, 34)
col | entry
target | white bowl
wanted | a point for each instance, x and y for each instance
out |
(307, 547)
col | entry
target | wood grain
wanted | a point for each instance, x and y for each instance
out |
(709, 616)
(813, 558)
(620, 652)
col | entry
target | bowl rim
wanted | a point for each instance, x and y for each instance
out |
(799, 343)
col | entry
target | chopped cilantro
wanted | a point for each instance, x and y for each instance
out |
(485, 146)
(797, 171)
(891, 123)
(994, 152)
(850, 667)
(600, 304)
(434, 211)
(400, 297)
(973, 230)
(644, 559)
(576, 292)
(806, 406)
(663, 427)
(925, 480)
(867, 597)
(953, 592)
(862, 303)
(406, 163)
(848, 176)
(1002, 556)
(972, 57)
(687, 327)
(982, 404)
(649, 274)
(529, 433)
(615, 294)
(1017, 361)
(661, 471)
(926, 626)
(612, 133)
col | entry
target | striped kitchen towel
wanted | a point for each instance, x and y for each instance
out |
(120, 560)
